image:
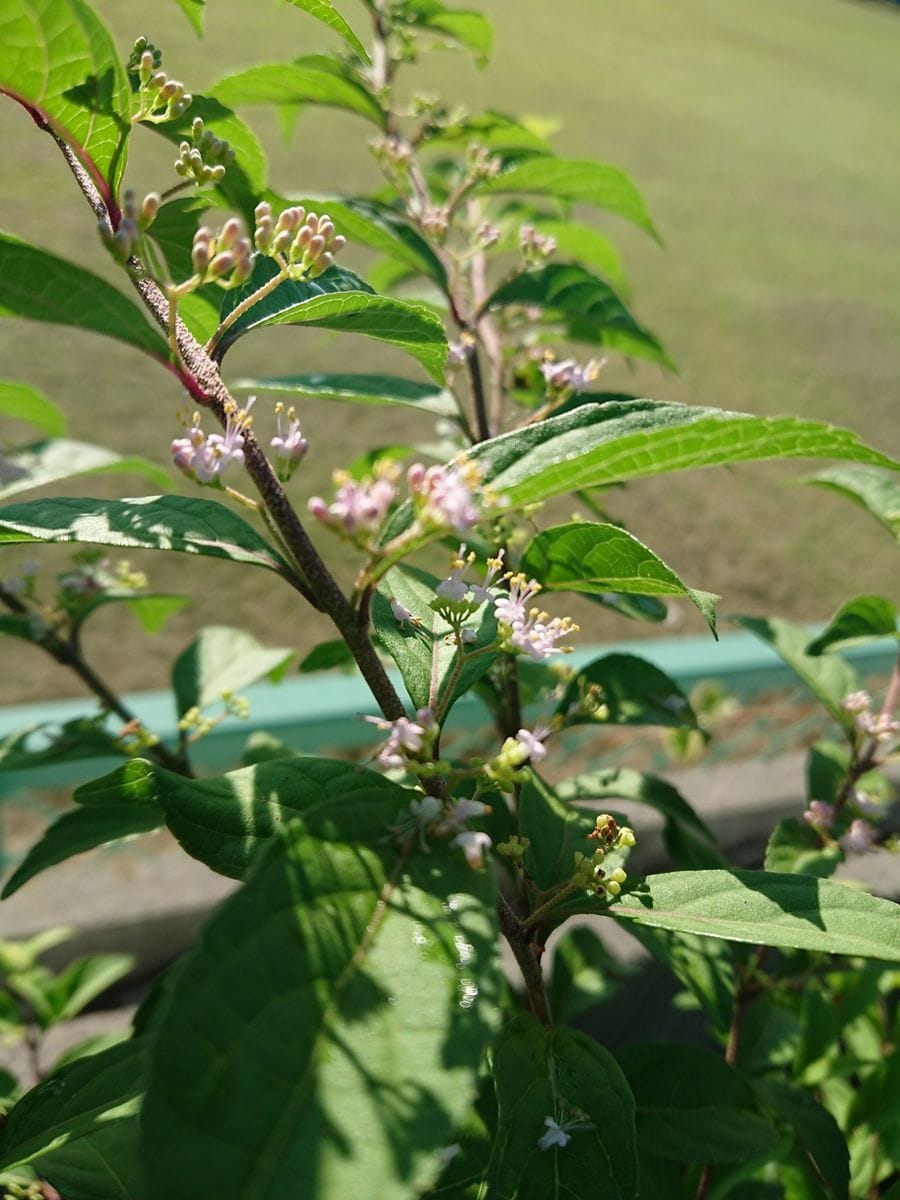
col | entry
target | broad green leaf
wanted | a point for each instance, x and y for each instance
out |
(85, 979)
(69, 295)
(470, 30)
(796, 848)
(623, 783)
(792, 911)
(173, 236)
(358, 389)
(829, 678)
(874, 491)
(225, 820)
(584, 974)
(324, 11)
(49, 461)
(25, 403)
(704, 966)
(692, 1106)
(192, 526)
(599, 558)
(596, 445)
(578, 180)
(48, 742)
(57, 58)
(863, 619)
(193, 10)
(622, 689)
(152, 609)
(587, 246)
(341, 1021)
(494, 130)
(339, 300)
(826, 770)
(80, 830)
(572, 293)
(816, 1135)
(77, 1103)
(102, 1166)
(298, 83)
(425, 650)
(564, 1075)
(220, 660)
(556, 830)
(637, 608)
(327, 656)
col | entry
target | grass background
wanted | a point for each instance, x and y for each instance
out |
(764, 138)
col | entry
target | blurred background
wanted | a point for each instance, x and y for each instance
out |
(764, 138)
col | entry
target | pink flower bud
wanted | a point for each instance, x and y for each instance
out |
(230, 233)
(221, 264)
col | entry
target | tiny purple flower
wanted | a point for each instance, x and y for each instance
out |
(819, 815)
(859, 838)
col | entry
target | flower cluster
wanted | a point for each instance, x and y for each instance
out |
(535, 247)
(360, 505)
(225, 259)
(568, 378)
(289, 445)
(527, 747)
(589, 871)
(304, 243)
(530, 632)
(429, 816)
(206, 457)
(159, 97)
(135, 219)
(880, 727)
(406, 739)
(447, 496)
(205, 158)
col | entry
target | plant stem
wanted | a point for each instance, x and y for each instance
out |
(473, 364)
(548, 906)
(244, 306)
(529, 964)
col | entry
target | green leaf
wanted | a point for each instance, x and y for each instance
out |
(57, 58)
(152, 609)
(816, 1135)
(25, 403)
(192, 526)
(794, 911)
(622, 689)
(69, 295)
(49, 461)
(84, 980)
(586, 246)
(829, 678)
(225, 820)
(877, 493)
(75, 1104)
(578, 180)
(556, 829)
(693, 1107)
(341, 1023)
(304, 82)
(193, 10)
(598, 558)
(103, 1166)
(566, 1076)
(416, 646)
(826, 770)
(358, 389)
(584, 974)
(863, 619)
(623, 783)
(339, 300)
(222, 659)
(327, 656)
(470, 30)
(494, 130)
(795, 847)
(68, 742)
(570, 292)
(704, 966)
(324, 11)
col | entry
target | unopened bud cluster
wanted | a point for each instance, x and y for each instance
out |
(589, 870)
(305, 243)
(225, 259)
(159, 97)
(135, 220)
(535, 247)
(392, 152)
(205, 158)
(481, 163)
(567, 378)
(880, 727)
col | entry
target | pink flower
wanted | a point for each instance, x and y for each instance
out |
(446, 494)
(511, 608)
(359, 506)
(537, 637)
(881, 727)
(405, 738)
(206, 458)
(568, 376)
(533, 742)
(289, 444)
(819, 815)
(859, 838)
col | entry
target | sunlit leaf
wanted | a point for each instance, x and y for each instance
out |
(357, 389)
(324, 11)
(224, 660)
(303, 82)
(863, 619)
(877, 493)
(45, 462)
(194, 11)
(25, 403)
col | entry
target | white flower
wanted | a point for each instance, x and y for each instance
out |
(290, 443)
(401, 614)
(473, 844)
(856, 702)
(511, 607)
(555, 1135)
(405, 737)
(537, 637)
(859, 838)
(533, 743)
(881, 727)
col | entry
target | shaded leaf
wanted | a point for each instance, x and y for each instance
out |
(25, 403)
(69, 295)
(327, 656)
(556, 830)
(50, 742)
(705, 966)
(367, 1039)
(192, 526)
(49, 461)
(816, 1135)
(623, 783)
(358, 389)
(303, 82)
(598, 558)
(877, 493)
(220, 660)
(795, 847)
(622, 689)
(584, 974)
(863, 619)
(324, 11)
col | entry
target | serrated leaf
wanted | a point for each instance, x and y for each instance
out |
(191, 526)
(25, 403)
(556, 830)
(193, 10)
(358, 389)
(829, 678)
(294, 83)
(792, 911)
(623, 689)
(77, 1103)
(623, 783)
(578, 180)
(877, 493)
(324, 11)
(599, 558)
(863, 619)
(370, 1040)
(692, 1106)
(45, 462)
(795, 847)
(57, 58)
(571, 292)
(222, 659)
(564, 1075)
(69, 295)
(225, 820)
(426, 651)
(340, 300)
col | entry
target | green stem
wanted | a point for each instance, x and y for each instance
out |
(547, 907)
(244, 306)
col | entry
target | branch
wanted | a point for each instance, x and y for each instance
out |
(529, 965)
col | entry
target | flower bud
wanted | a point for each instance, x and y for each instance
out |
(149, 208)
(229, 233)
(283, 241)
(145, 67)
(158, 81)
(214, 174)
(315, 248)
(221, 264)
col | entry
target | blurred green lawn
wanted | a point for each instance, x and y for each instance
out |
(764, 138)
